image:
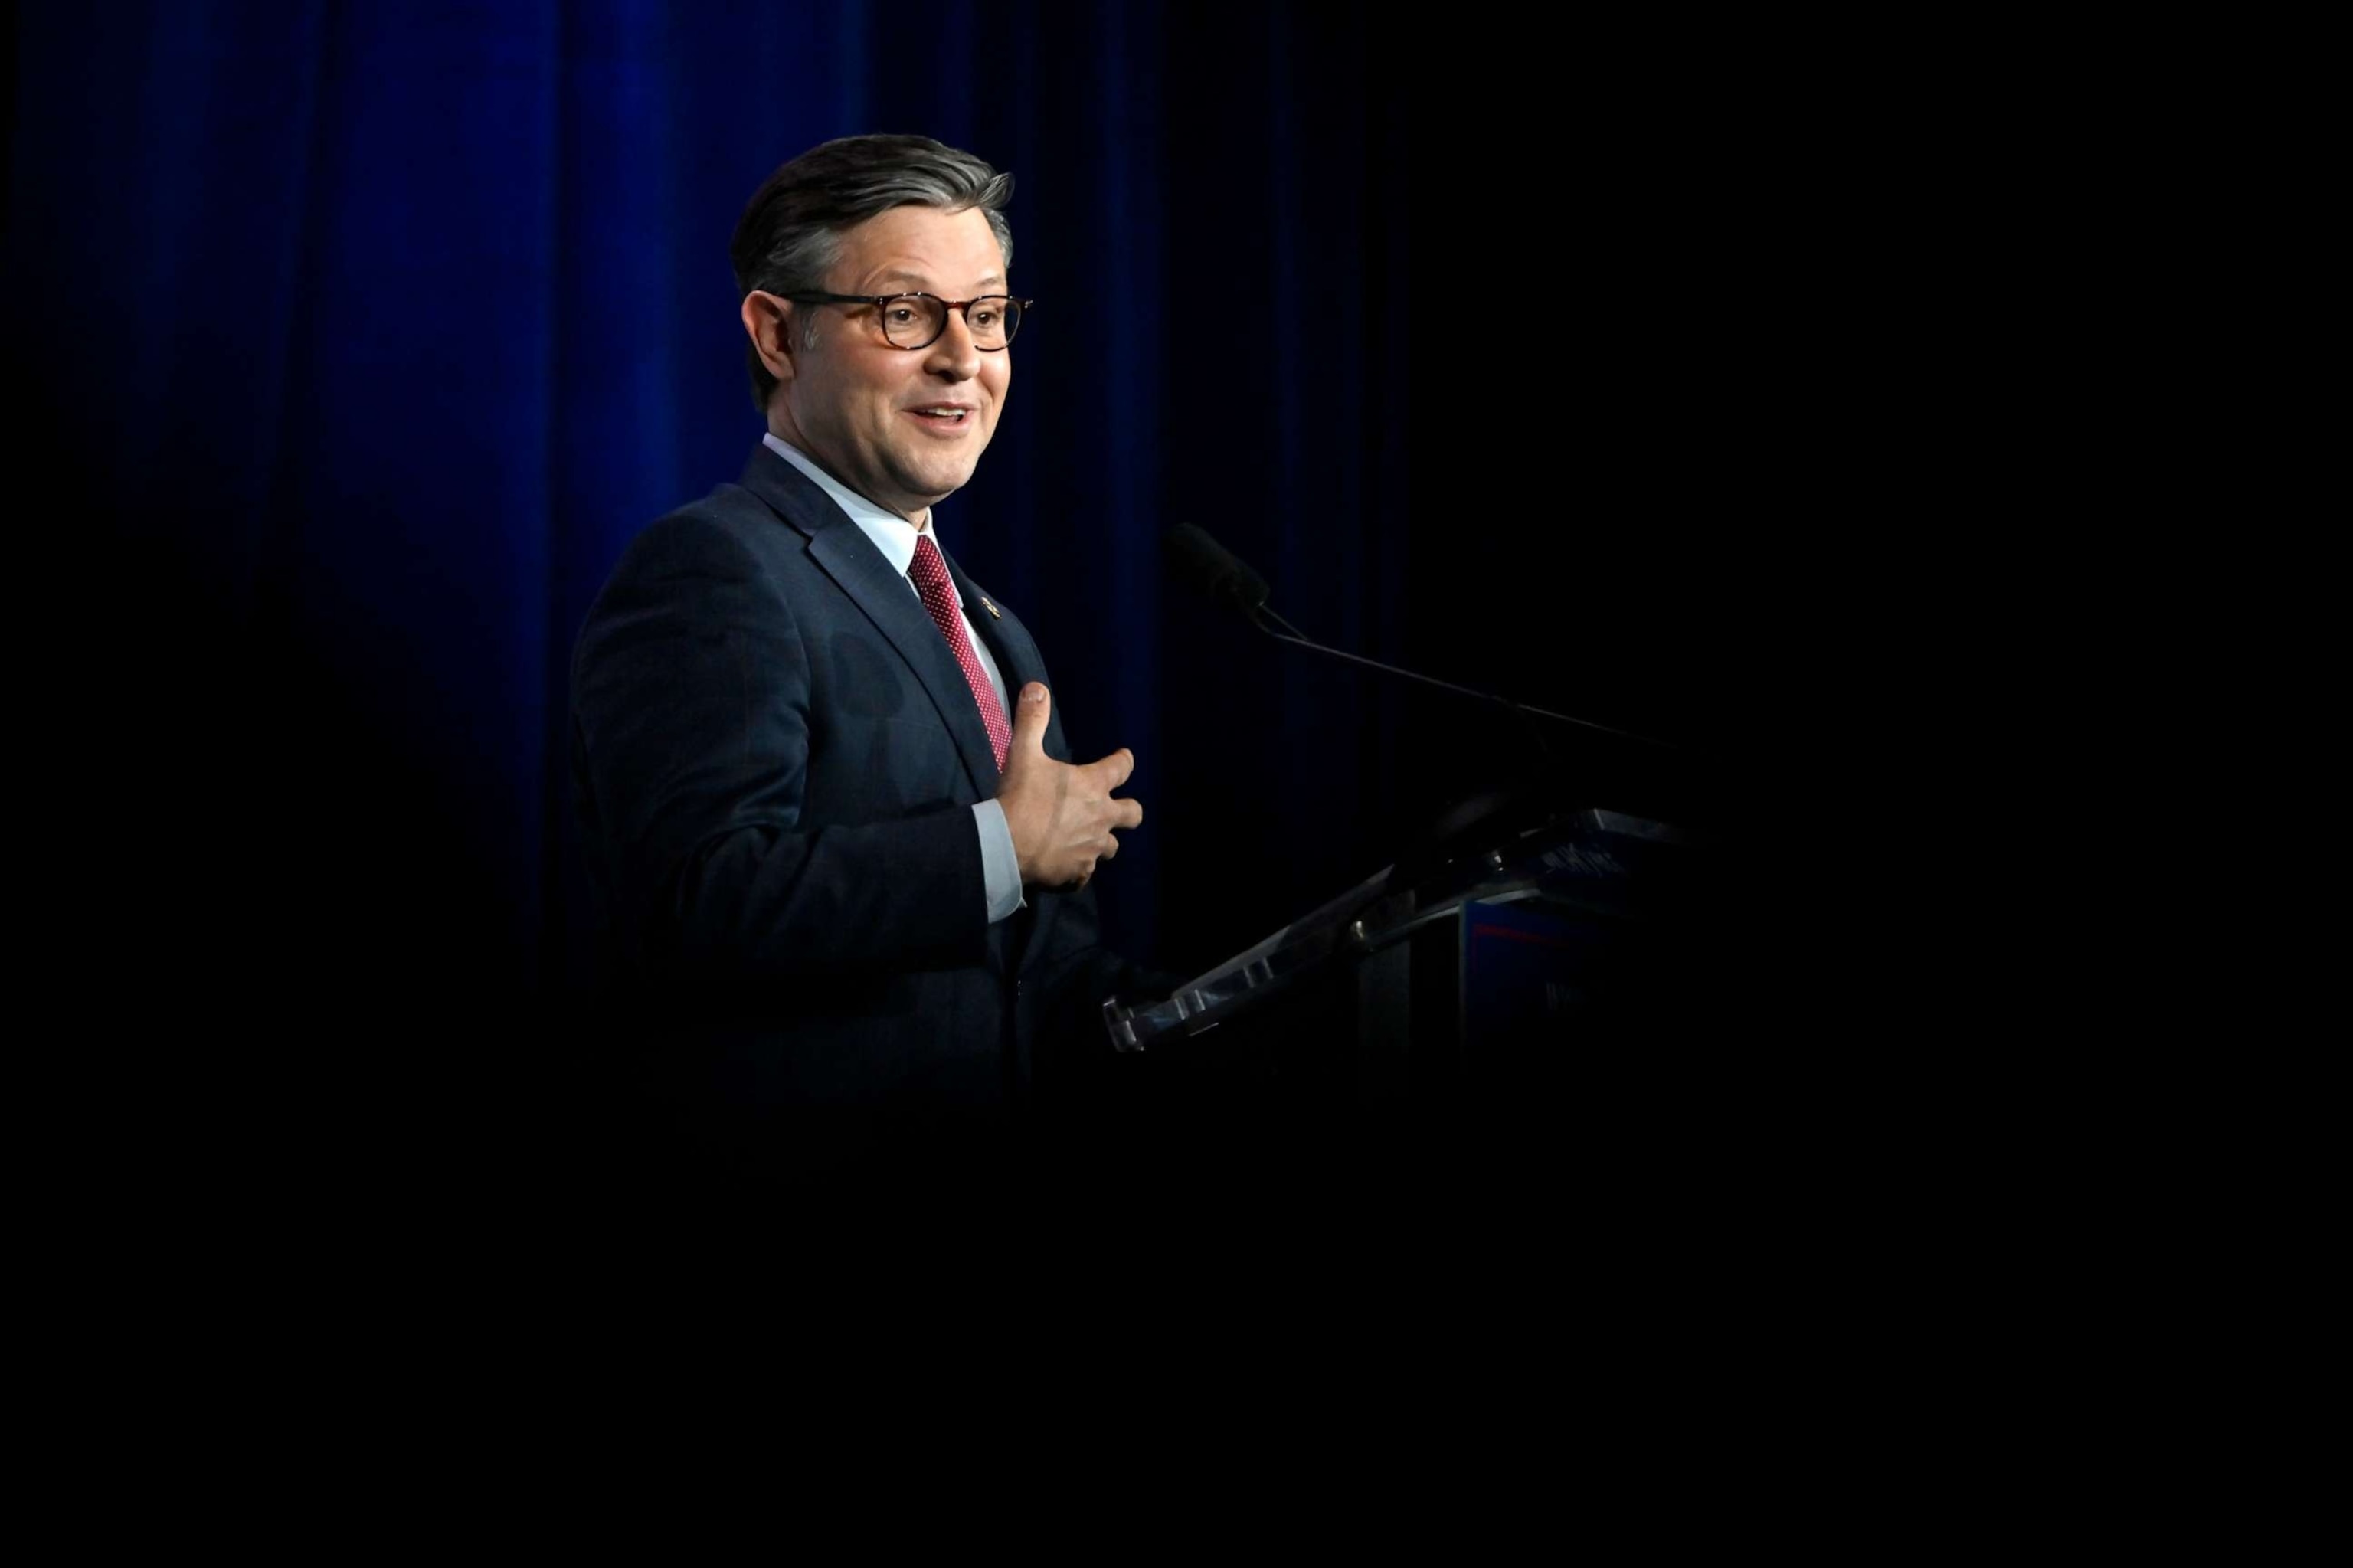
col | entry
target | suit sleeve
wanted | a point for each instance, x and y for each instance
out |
(693, 728)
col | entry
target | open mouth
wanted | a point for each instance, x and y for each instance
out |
(946, 414)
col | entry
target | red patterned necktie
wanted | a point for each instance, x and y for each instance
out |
(929, 576)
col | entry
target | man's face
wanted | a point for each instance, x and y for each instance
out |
(903, 428)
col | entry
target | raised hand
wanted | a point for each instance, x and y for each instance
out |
(1062, 814)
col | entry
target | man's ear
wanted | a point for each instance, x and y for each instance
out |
(768, 322)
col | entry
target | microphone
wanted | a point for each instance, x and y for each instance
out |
(1208, 566)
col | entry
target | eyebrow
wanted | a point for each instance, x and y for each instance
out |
(923, 284)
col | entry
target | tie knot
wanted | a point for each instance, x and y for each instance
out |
(929, 568)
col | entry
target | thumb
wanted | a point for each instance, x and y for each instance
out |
(1029, 711)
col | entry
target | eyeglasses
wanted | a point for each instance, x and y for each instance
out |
(916, 321)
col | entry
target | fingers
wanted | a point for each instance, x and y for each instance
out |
(1081, 813)
(1113, 772)
(1030, 711)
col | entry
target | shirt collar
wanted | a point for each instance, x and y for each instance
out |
(892, 535)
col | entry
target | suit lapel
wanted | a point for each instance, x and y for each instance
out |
(1017, 655)
(851, 558)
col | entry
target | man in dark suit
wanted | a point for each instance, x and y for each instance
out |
(842, 845)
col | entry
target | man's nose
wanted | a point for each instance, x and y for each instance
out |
(952, 354)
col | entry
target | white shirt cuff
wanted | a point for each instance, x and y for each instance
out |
(999, 863)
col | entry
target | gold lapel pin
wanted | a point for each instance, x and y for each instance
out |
(990, 608)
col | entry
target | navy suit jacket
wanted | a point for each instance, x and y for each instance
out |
(776, 758)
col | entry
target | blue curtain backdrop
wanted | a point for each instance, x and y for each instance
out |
(356, 340)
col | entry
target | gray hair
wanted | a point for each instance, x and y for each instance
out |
(790, 234)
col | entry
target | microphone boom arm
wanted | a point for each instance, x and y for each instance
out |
(1259, 615)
